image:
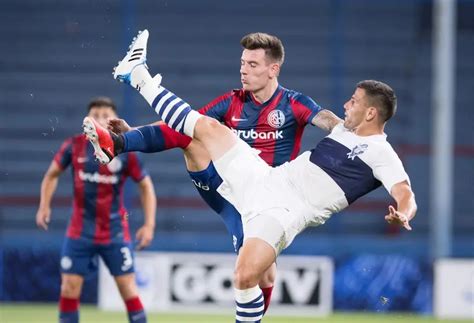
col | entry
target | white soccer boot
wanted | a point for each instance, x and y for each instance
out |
(130, 69)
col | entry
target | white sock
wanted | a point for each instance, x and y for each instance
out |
(249, 304)
(145, 84)
(169, 107)
(190, 123)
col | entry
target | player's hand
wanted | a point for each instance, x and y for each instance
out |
(396, 217)
(118, 126)
(144, 236)
(42, 218)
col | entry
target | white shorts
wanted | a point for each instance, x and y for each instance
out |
(258, 190)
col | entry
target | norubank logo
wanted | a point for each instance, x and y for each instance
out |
(98, 178)
(252, 134)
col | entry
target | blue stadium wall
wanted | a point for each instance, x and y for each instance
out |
(60, 55)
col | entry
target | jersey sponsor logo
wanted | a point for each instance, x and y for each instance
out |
(252, 134)
(237, 119)
(356, 151)
(276, 119)
(115, 165)
(98, 178)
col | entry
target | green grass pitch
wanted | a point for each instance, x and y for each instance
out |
(29, 313)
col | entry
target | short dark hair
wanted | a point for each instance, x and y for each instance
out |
(381, 96)
(271, 44)
(101, 101)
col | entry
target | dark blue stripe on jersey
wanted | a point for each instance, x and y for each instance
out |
(283, 148)
(115, 207)
(354, 177)
(66, 157)
(207, 181)
(308, 102)
(90, 197)
(219, 109)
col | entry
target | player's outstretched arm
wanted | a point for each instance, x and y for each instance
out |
(326, 120)
(148, 198)
(48, 187)
(406, 205)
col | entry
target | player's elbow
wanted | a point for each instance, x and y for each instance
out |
(146, 187)
(414, 206)
(408, 199)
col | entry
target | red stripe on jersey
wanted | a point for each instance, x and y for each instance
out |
(297, 144)
(79, 150)
(58, 157)
(214, 102)
(134, 169)
(105, 195)
(268, 154)
(301, 112)
(234, 112)
(123, 212)
(297, 108)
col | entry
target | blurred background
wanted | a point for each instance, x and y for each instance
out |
(57, 55)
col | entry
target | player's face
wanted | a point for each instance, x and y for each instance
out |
(102, 114)
(355, 109)
(256, 71)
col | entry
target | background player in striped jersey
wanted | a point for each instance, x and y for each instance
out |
(99, 223)
(278, 203)
(269, 117)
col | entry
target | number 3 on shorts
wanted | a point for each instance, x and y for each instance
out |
(127, 258)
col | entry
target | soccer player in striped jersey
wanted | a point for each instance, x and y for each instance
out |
(276, 204)
(269, 117)
(99, 222)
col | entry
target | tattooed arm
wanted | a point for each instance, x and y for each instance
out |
(326, 120)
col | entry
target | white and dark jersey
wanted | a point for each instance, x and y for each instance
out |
(348, 167)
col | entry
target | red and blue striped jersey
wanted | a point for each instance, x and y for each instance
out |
(98, 209)
(274, 127)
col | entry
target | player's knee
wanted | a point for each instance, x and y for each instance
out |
(127, 286)
(245, 277)
(71, 288)
(208, 127)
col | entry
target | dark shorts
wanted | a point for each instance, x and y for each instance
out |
(80, 256)
(207, 182)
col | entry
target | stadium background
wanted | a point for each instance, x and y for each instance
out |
(57, 55)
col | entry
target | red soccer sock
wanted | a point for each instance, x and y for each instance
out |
(151, 139)
(136, 313)
(134, 304)
(267, 296)
(173, 138)
(68, 310)
(68, 304)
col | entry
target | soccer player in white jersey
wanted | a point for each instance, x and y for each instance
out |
(278, 203)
